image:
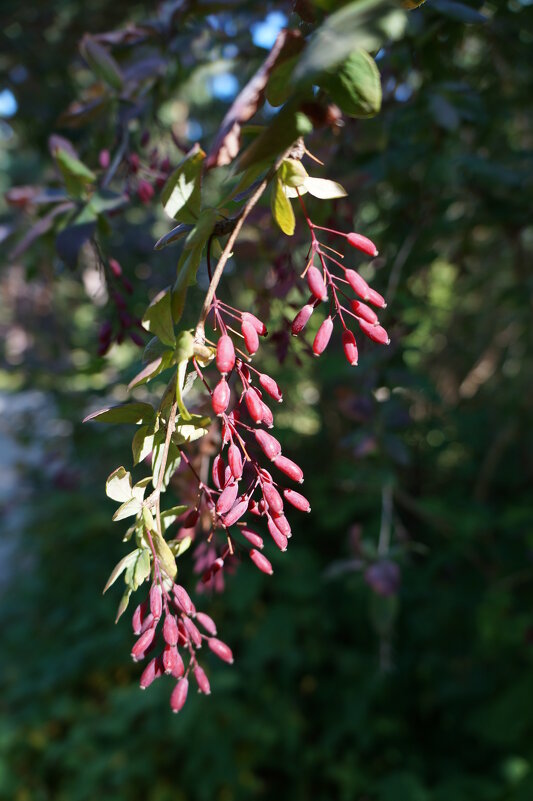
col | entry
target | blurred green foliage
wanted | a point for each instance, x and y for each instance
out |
(336, 692)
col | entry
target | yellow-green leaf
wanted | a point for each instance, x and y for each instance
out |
(158, 318)
(282, 209)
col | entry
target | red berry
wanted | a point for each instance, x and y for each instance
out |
(235, 513)
(357, 283)
(183, 599)
(218, 471)
(261, 562)
(362, 243)
(315, 282)
(290, 468)
(221, 650)
(151, 672)
(142, 645)
(376, 299)
(170, 630)
(297, 500)
(272, 498)
(268, 444)
(259, 326)
(270, 387)
(201, 680)
(375, 332)
(145, 191)
(364, 311)
(179, 695)
(279, 538)
(220, 397)
(301, 319)
(104, 159)
(156, 602)
(251, 339)
(227, 498)
(172, 662)
(253, 404)
(207, 623)
(252, 537)
(323, 335)
(225, 358)
(350, 346)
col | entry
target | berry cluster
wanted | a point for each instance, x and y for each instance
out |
(126, 323)
(174, 605)
(324, 284)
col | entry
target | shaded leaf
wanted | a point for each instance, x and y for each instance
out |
(71, 239)
(181, 195)
(279, 87)
(245, 105)
(123, 605)
(458, 11)
(283, 131)
(158, 318)
(355, 86)
(41, 227)
(101, 62)
(173, 236)
(135, 412)
(142, 443)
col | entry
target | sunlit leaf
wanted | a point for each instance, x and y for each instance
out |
(323, 188)
(181, 195)
(135, 412)
(158, 317)
(282, 209)
(120, 567)
(118, 485)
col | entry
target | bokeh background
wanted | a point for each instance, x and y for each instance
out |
(390, 658)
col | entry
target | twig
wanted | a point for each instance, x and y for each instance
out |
(219, 269)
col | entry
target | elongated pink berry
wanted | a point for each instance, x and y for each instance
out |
(220, 397)
(259, 326)
(290, 468)
(268, 417)
(235, 460)
(221, 650)
(323, 335)
(364, 311)
(156, 601)
(279, 538)
(362, 243)
(376, 299)
(272, 498)
(270, 387)
(151, 672)
(350, 347)
(261, 562)
(142, 645)
(235, 513)
(301, 319)
(227, 498)
(253, 404)
(170, 630)
(375, 332)
(315, 282)
(138, 618)
(217, 471)
(297, 500)
(148, 622)
(201, 680)
(172, 662)
(268, 444)
(283, 524)
(225, 357)
(183, 599)
(251, 338)
(253, 538)
(357, 283)
(192, 631)
(207, 623)
(179, 695)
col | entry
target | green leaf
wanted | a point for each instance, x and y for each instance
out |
(101, 62)
(203, 229)
(119, 568)
(158, 317)
(123, 605)
(282, 209)
(127, 509)
(139, 570)
(173, 459)
(189, 430)
(355, 86)
(178, 547)
(292, 172)
(118, 485)
(152, 369)
(165, 555)
(184, 353)
(279, 87)
(285, 129)
(364, 24)
(181, 195)
(187, 269)
(72, 166)
(135, 412)
(142, 443)
(173, 236)
(323, 188)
